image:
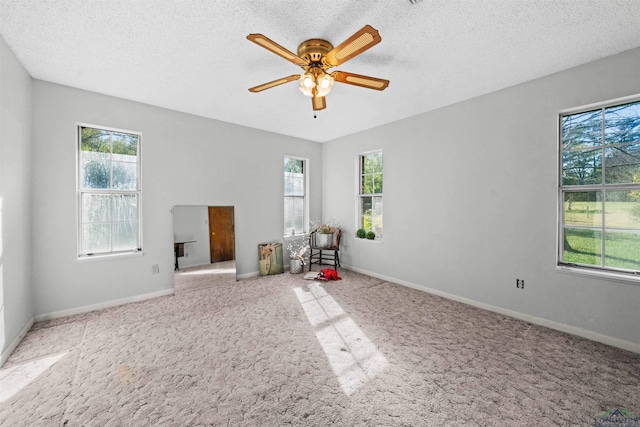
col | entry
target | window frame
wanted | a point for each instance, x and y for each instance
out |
(361, 195)
(87, 256)
(601, 270)
(304, 197)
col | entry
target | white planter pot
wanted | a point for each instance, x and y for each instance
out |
(295, 266)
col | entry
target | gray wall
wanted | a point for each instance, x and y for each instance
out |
(186, 160)
(470, 198)
(470, 202)
(16, 306)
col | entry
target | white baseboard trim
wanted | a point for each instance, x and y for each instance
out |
(102, 305)
(16, 341)
(573, 330)
(247, 275)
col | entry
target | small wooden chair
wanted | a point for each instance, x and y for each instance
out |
(324, 255)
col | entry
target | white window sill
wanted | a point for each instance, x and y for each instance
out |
(106, 257)
(295, 237)
(599, 274)
(370, 241)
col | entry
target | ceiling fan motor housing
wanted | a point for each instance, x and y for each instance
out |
(314, 50)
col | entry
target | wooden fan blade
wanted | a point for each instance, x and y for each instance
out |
(274, 47)
(274, 83)
(362, 40)
(319, 103)
(359, 80)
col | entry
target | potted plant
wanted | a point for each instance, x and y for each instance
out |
(361, 233)
(297, 251)
(371, 235)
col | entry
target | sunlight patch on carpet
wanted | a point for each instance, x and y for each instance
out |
(14, 379)
(352, 356)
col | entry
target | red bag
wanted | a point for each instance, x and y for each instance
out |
(328, 274)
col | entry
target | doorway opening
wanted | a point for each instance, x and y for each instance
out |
(205, 254)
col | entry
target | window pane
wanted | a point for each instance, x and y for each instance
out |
(288, 184)
(377, 183)
(293, 165)
(125, 176)
(376, 216)
(125, 207)
(293, 184)
(293, 214)
(367, 184)
(582, 167)
(95, 158)
(581, 130)
(125, 236)
(96, 238)
(96, 140)
(367, 164)
(367, 213)
(366, 209)
(583, 208)
(622, 249)
(377, 162)
(622, 164)
(298, 184)
(622, 210)
(96, 208)
(125, 144)
(298, 224)
(582, 246)
(622, 123)
(95, 173)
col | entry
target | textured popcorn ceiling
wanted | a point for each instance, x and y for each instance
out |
(192, 55)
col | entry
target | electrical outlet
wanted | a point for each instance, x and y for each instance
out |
(520, 283)
(155, 269)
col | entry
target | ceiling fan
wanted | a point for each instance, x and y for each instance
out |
(316, 56)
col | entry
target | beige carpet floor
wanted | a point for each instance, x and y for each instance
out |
(281, 350)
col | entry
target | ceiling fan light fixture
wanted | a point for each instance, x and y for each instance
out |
(325, 84)
(318, 79)
(307, 83)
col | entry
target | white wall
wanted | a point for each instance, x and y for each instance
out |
(470, 201)
(186, 160)
(16, 307)
(192, 223)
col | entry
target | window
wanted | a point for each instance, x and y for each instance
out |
(108, 191)
(295, 196)
(370, 209)
(599, 188)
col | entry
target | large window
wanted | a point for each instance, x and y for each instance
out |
(295, 193)
(370, 198)
(108, 191)
(599, 195)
